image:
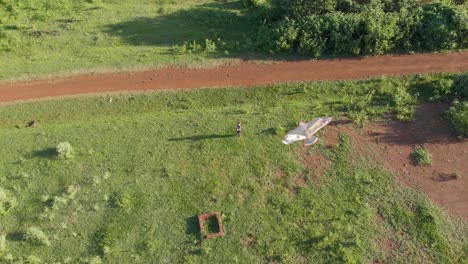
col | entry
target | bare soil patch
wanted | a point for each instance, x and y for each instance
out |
(241, 74)
(391, 142)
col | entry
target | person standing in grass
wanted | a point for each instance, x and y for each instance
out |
(239, 129)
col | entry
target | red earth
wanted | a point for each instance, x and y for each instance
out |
(445, 182)
(393, 141)
(240, 74)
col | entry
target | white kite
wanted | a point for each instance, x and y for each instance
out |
(306, 131)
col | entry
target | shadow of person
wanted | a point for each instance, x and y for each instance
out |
(201, 137)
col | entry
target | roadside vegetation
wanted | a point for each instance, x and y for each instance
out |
(145, 165)
(41, 37)
(421, 156)
(458, 118)
(350, 28)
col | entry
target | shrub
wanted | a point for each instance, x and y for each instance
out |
(2, 243)
(6, 201)
(303, 8)
(36, 236)
(64, 150)
(316, 28)
(460, 85)
(33, 260)
(457, 116)
(254, 3)
(439, 28)
(122, 200)
(421, 156)
(210, 46)
(95, 260)
(436, 90)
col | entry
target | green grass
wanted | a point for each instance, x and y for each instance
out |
(146, 165)
(41, 37)
(421, 156)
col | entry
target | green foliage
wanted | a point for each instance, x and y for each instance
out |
(460, 85)
(174, 155)
(64, 150)
(7, 202)
(304, 8)
(124, 200)
(35, 35)
(36, 236)
(421, 156)
(254, 3)
(2, 244)
(457, 116)
(315, 28)
(441, 28)
(436, 90)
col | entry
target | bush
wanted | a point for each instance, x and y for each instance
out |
(457, 116)
(6, 202)
(316, 28)
(36, 236)
(303, 8)
(440, 27)
(421, 156)
(2, 243)
(254, 3)
(460, 85)
(435, 90)
(64, 150)
(122, 200)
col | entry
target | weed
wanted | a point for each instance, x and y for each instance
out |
(421, 156)
(122, 200)
(210, 46)
(457, 116)
(33, 260)
(95, 260)
(2, 243)
(359, 118)
(36, 236)
(7, 202)
(64, 150)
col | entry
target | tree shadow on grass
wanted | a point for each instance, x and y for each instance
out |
(193, 230)
(48, 153)
(227, 24)
(201, 22)
(192, 226)
(201, 137)
(429, 127)
(15, 236)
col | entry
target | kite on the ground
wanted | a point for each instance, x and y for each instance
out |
(306, 131)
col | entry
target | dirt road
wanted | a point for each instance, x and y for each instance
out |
(241, 74)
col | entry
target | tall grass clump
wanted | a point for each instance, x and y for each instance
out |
(36, 236)
(64, 150)
(2, 243)
(6, 201)
(457, 116)
(421, 156)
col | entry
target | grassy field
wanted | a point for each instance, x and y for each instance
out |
(43, 37)
(145, 165)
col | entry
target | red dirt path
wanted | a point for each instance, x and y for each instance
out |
(241, 74)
